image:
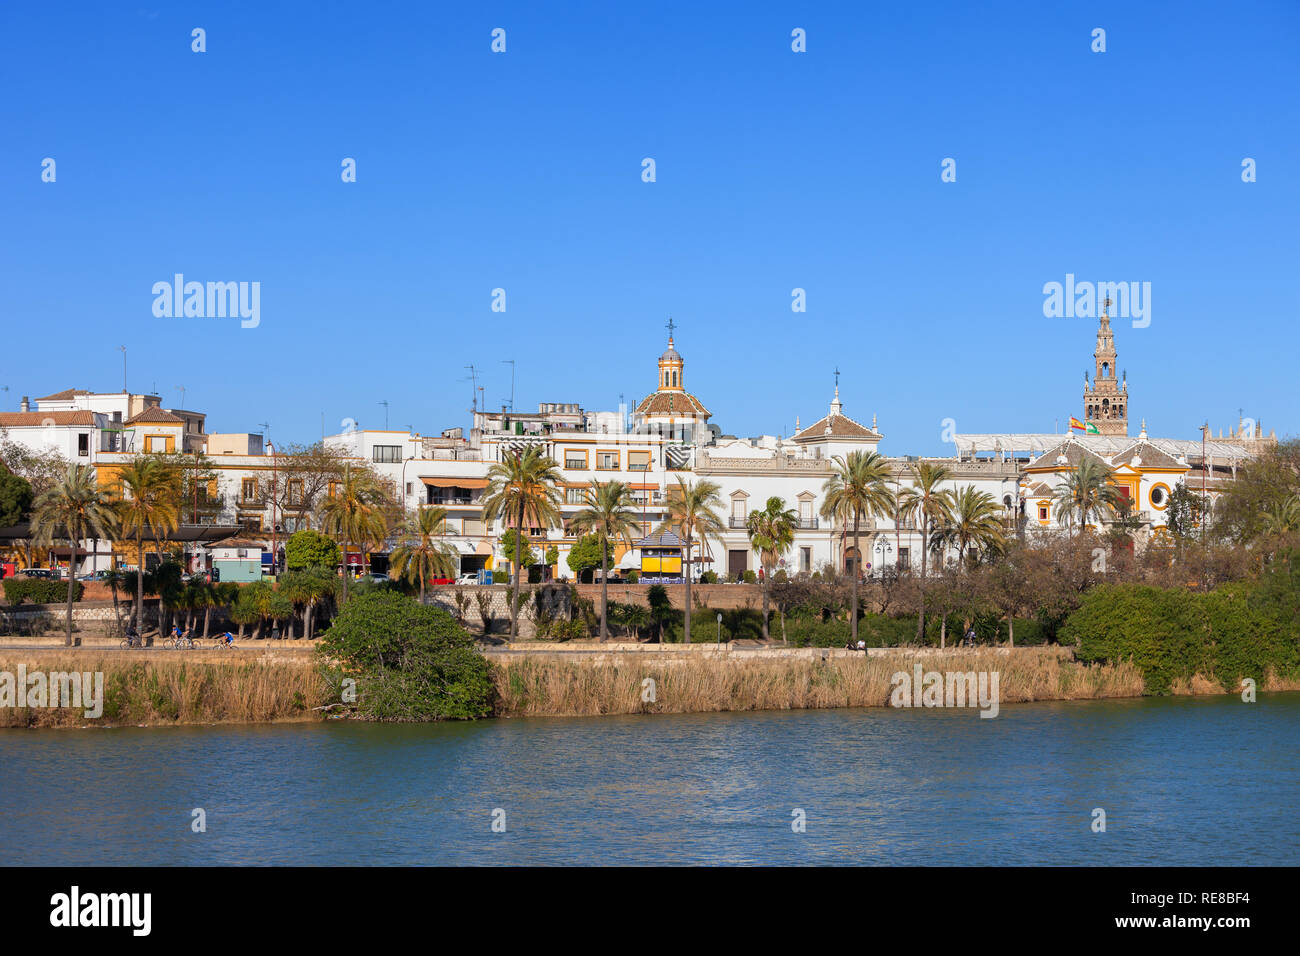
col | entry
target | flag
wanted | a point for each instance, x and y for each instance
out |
(1092, 429)
(1075, 423)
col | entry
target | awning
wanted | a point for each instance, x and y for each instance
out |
(630, 559)
(642, 487)
(455, 482)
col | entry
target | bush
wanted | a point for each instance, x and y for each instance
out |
(40, 591)
(1239, 630)
(412, 661)
(633, 575)
(709, 577)
(749, 577)
(500, 577)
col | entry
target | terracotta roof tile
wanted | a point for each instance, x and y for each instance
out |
(36, 419)
(841, 427)
(155, 414)
(672, 403)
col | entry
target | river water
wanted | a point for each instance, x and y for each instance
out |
(1181, 781)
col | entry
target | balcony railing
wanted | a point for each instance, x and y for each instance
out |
(807, 524)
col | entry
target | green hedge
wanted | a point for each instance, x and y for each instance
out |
(40, 591)
(1240, 630)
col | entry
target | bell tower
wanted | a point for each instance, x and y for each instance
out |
(670, 366)
(1105, 400)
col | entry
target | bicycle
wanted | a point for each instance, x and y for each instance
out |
(131, 640)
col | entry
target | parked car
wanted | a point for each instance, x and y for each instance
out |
(39, 573)
(467, 579)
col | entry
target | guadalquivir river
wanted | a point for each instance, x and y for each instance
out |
(1182, 781)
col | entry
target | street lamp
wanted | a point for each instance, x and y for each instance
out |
(719, 627)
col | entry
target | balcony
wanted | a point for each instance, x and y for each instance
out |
(737, 523)
(807, 524)
(448, 501)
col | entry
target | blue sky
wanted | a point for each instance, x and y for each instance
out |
(775, 170)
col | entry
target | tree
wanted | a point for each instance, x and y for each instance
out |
(15, 498)
(305, 472)
(355, 513)
(421, 554)
(930, 506)
(74, 509)
(610, 512)
(527, 556)
(310, 549)
(973, 525)
(1086, 493)
(693, 511)
(1261, 483)
(412, 661)
(771, 534)
(857, 488)
(1183, 512)
(586, 555)
(147, 507)
(523, 490)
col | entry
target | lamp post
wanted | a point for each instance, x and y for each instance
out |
(719, 626)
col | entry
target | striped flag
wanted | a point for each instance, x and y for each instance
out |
(1075, 423)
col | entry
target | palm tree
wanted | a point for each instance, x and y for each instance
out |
(1087, 492)
(75, 508)
(422, 554)
(522, 489)
(693, 510)
(1283, 517)
(114, 578)
(974, 524)
(771, 534)
(931, 506)
(203, 597)
(354, 513)
(610, 513)
(857, 488)
(151, 509)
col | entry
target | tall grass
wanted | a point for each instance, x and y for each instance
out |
(548, 687)
(167, 690)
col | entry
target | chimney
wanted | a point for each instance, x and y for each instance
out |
(25, 406)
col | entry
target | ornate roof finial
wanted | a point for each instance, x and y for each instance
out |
(671, 326)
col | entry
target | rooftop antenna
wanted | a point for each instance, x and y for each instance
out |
(473, 377)
(181, 388)
(122, 349)
(511, 363)
(385, 404)
(266, 430)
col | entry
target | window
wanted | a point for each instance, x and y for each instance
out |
(575, 496)
(333, 489)
(83, 445)
(248, 489)
(638, 461)
(295, 491)
(738, 507)
(475, 526)
(575, 459)
(250, 522)
(1042, 512)
(904, 559)
(607, 460)
(805, 559)
(387, 453)
(1158, 496)
(156, 443)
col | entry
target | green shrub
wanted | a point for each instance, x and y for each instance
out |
(500, 577)
(411, 661)
(40, 591)
(709, 577)
(749, 577)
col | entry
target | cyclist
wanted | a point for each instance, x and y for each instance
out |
(228, 639)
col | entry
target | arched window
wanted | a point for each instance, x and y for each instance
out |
(1105, 370)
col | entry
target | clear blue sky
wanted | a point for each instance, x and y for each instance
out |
(775, 170)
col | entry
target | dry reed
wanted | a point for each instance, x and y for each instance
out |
(160, 689)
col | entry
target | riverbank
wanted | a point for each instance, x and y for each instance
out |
(275, 684)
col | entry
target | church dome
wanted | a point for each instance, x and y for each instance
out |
(671, 355)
